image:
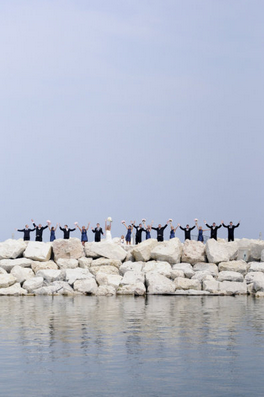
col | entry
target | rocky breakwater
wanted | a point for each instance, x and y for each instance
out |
(65, 267)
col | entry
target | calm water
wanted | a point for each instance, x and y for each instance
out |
(125, 346)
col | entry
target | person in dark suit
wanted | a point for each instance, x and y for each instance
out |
(160, 231)
(139, 230)
(214, 229)
(98, 231)
(66, 231)
(187, 231)
(39, 230)
(231, 229)
(26, 232)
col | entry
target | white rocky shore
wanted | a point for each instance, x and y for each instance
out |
(64, 267)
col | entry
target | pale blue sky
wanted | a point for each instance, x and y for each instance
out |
(132, 109)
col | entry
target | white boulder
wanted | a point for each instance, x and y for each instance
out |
(230, 276)
(186, 268)
(22, 273)
(11, 249)
(67, 263)
(8, 264)
(142, 251)
(159, 284)
(38, 251)
(234, 266)
(212, 268)
(193, 252)
(168, 251)
(87, 286)
(6, 280)
(33, 283)
(106, 249)
(51, 275)
(186, 283)
(67, 249)
(14, 289)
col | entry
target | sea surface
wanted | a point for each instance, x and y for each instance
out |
(131, 346)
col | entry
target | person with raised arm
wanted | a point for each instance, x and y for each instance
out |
(83, 230)
(172, 229)
(52, 230)
(160, 231)
(39, 230)
(26, 232)
(187, 231)
(200, 231)
(213, 229)
(231, 229)
(66, 231)
(98, 231)
(147, 228)
(129, 232)
(108, 235)
(139, 230)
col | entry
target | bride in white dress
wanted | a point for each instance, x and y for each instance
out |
(108, 236)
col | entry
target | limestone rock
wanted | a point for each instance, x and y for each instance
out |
(256, 267)
(233, 288)
(193, 252)
(46, 290)
(176, 273)
(234, 266)
(186, 283)
(168, 251)
(192, 292)
(62, 288)
(134, 266)
(15, 290)
(202, 274)
(255, 249)
(36, 266)
(21, 274)
(67, 249)
(159, 284)
(51, 275)
(84, 262)
(38, 251)
(211, 286)
(11, 249)
(142, 251)
(186, 268)
(106, 262)
(230, 276)
(2, 271)
(67, 263)
(108, 279)
(132, 277)
(87, 286)
(137, 289)
(71, 275)
(220, 252)
(163, 268)
(6, 280)
(33, 283)
(262, 256)
(8, 264)
(104, 269)
(106, 249)
(254, 276)
(105, 290)
(208, 267)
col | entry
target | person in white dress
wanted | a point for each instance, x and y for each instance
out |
(108, 236)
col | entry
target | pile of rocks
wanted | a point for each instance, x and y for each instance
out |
(65, 267)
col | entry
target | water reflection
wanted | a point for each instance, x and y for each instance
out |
(123, 345)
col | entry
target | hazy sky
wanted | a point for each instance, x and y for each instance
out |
(132, 109)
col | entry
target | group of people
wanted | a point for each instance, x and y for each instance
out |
(142, 227)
